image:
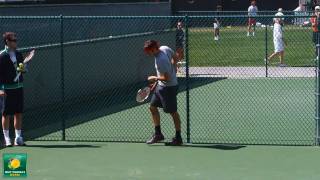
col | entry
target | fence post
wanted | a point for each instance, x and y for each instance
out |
(186, 19)
(63, 121)
(266, 49)
(317, 118)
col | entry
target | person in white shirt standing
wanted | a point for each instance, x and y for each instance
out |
(278, 41)
(280, 15)
(216, 29)
(252, 12)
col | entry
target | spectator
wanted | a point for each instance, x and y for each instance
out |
(180, 41)
(315, 26)
(216, 29)
(180, 45)
(279, 43)
(252, 11)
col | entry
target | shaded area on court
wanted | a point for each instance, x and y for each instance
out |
(90, 108)
(277, 111)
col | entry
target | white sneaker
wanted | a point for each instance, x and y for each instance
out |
(19, 141)
(8, 143)
(282, 65)
(216, 38)
(253, 34)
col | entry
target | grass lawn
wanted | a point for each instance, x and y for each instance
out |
(236, 49)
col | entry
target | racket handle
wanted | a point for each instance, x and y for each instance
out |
(153, 86)
(17, 77)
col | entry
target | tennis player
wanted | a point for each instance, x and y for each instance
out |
(11, 92)
(165, 94)
(252, 11)
(278, 42)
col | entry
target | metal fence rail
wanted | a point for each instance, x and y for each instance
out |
(82, 82)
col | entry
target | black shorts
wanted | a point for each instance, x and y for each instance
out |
(166, 98)
(13, 101)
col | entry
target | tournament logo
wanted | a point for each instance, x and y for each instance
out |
(14, 165)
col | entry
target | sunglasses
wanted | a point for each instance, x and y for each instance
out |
(12, 40)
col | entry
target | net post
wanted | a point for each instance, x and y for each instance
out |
(317, 117)
(63, 121)
(266, 49)
(186, 21)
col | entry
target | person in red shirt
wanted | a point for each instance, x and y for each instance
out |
(315, 26)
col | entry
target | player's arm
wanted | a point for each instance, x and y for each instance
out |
(162, 77)
(163, 69)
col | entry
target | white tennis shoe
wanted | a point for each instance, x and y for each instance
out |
(19, 141)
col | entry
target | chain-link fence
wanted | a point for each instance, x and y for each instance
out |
(83, 80)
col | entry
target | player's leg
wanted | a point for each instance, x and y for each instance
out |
(5, 130)
(18, 141)
(177, 124)
(170, 106)
(281, 56)
(216, 34)
(253, 26)
(276, 45)
(249, 28)
(155, 103)
(8, 111)
(155, 118)
(18, 110)
(180, 55)
(272, 56)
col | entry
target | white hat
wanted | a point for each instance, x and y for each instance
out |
(317, 8)
(280, 10)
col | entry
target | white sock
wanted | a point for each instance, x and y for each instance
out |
(6, 135)
(18, 133)
(253, 33)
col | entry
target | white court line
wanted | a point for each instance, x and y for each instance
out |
(250, 72)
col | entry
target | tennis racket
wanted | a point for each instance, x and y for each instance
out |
(144, 93)
(22, 66)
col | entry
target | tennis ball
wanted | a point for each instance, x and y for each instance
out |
(21, 65)
(15, 163)
(18, 69)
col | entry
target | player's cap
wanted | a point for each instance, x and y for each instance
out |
(280, 10)
(317, 8)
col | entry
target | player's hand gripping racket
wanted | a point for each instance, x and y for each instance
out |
(21, 66)
(143, 94)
